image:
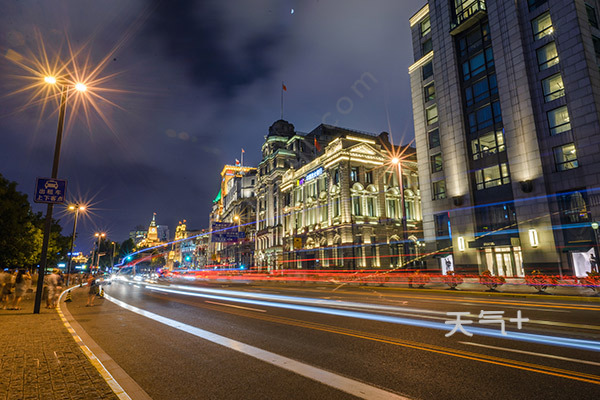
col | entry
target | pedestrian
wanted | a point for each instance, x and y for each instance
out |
(93, 290)
(53, 288)
(22, 283)
(6, 286)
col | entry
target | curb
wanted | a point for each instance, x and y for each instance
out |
(77, 331)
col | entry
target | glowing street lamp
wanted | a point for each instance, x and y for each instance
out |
(77, 209)
(99, 235)
(398, 162)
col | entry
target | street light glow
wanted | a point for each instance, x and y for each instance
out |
(80, 87)
(50, 79)
(395, 160)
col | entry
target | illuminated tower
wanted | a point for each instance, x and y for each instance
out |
(152, 233)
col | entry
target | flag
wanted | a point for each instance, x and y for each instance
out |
(237, 162)
(243, 151)
(283, 87)
(317, 146)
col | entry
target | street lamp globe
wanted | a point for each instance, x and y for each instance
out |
(80, 87)
(395, 160)
(50, 79)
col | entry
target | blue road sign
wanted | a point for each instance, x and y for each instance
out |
(48, 190)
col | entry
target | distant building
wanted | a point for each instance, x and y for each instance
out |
(163, 233)
(506, 104)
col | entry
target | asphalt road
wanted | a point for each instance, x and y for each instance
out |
(349, 340)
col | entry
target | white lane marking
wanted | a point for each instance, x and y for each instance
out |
(532, 353)
(231, 305)
(336, 381)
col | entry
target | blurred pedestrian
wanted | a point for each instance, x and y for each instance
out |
(93, 290)
(22, 283)
(53, 289)
(7, 280)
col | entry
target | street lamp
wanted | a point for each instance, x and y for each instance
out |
(595, 266)
(99, 235)
(64, 89)
(237, 254)
(398, 162)
(76, 209)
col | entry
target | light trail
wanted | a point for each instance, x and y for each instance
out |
(558, 341)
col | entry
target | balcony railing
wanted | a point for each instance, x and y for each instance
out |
(468, 16)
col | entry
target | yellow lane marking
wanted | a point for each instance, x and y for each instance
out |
(579, 376)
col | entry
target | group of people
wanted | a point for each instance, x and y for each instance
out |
(53, 283)
(13, 286)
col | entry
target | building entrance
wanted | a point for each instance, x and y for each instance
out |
(504, 261)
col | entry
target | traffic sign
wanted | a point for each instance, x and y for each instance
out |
(52, 191)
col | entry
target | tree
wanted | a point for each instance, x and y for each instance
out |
(126, 248)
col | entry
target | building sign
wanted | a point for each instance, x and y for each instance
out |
(310, 176)
(52, 191)
(225, 232)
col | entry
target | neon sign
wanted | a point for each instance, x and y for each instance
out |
(310, 176)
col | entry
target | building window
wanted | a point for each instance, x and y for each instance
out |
(434, 138)
(481, 90)
(547, 56)
(559, 120)
(565, 157)
(573, 207)
(493, 176)
(369, 177)
(533, 4)
(429, 92)
(553, 87)
(542, 26)
(425, 26)
(336, 207)
(496, 217)
(478, 63)
(427, 46)
(371, 209)
(442, 225)
(439, 190)
(354, 174)
(391, 208)
(324, 213)
(436, 162)
(596, 42)
(427, 70)
(490, 143)
(474, 40)
(592, 18)
(356, 208)
(432, 114)
(336, 176)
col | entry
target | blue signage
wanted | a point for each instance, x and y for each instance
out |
(311, 175)
(51, 191)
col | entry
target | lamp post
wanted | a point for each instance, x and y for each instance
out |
(398, 162)
(238, 253)
(99, 235)
(48, 221)
(595, 266)
(77, 209)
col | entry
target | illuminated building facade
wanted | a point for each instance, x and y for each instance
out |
(506, 105)
(235, 206)
(344, 208)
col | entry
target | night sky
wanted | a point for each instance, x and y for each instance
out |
(189, 83)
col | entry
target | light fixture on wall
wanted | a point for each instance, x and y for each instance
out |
(461, 243)
(526, 186)
(457, 200)
(533, 238)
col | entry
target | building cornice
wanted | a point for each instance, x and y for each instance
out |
(425, 59)
(419, 15)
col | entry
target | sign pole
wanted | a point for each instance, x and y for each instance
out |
(48, 222)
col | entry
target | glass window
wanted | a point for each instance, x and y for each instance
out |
(369, 177)
(592, 18)
(324, 212)
(442, 225)
(439, 190)
(553, 87)
(429, 92)
(493, 218)
(354, 174)
(559, 120)
(425, 26)
(391, 208)
(427, 46)
(547, 56)
(533, 4)
(336, 207)
(573, 207)
(432, 115)
(436, 162)
(371, 211)
(427, 70)
(434, 138)
(490, 143)
(481, 119)
(542, 26)
(495, 175)
(565, 157)
(596, 42)
(336, 176)
(356, 208)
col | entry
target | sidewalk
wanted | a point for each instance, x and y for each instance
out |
(39, 359)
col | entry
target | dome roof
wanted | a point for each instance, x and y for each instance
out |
(281, 128)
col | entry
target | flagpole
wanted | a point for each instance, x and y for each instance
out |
(281, 99)
(242, 158)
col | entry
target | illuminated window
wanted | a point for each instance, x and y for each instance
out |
(354, 174)
(553, 87)
(369, 177)
(542, 26)
(490, 143)
(425, 26)
(429, 92)
(356, 207)
(565, 157)
(432, 115)
(493, 176)
(559, 120)
(439, 190)
(478, 64)
(336, 207)
(547, 56)
(391, 208)
(427, 70)
(371, 207)
(481, 90)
